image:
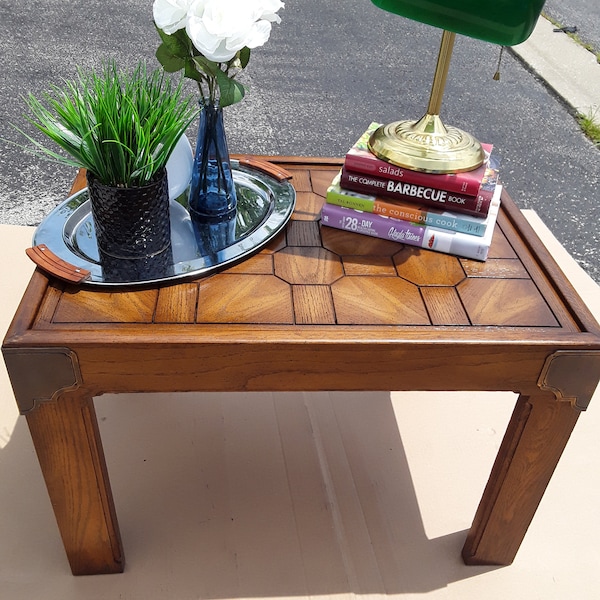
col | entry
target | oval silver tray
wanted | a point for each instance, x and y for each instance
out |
(264, 205)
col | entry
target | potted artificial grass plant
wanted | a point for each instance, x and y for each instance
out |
(121, 128)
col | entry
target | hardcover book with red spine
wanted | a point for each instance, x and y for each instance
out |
(359, 159)
(478, 206)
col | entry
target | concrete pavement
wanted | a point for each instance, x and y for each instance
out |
(570, 70)
(583, 14)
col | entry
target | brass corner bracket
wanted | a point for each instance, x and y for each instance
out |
(39, 374)
(572, 376)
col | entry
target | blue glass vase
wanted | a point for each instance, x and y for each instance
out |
(212, 196)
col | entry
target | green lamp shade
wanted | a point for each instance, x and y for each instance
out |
(504, 22)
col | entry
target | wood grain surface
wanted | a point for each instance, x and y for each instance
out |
(317, 309)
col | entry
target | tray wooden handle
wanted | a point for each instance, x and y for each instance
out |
(264, 166)
(44, 258)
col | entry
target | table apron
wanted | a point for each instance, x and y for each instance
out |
(570, 374)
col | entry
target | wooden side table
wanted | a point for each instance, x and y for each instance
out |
(318, 309)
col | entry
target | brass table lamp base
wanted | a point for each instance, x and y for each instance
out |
(427, 144)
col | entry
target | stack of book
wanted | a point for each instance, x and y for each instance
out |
(452, 213)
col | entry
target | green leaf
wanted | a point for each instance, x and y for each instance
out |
(169, 61)
(244, 56)
(177, 42)
(191, 72)
(208, 66)
(230, 90)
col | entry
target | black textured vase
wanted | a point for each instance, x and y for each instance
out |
(133, 229)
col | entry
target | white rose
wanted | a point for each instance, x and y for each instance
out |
(220, 28)
(269, 9)
(170, 15)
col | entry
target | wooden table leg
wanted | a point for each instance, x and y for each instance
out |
(67, 441)
(534, 441)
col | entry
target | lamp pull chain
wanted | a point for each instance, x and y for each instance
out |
(497, 73)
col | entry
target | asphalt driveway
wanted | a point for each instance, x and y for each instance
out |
(328, 70)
